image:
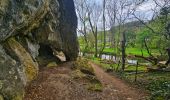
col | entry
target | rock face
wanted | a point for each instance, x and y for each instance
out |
(31, 30)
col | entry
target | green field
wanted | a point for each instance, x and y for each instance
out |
(129, 51)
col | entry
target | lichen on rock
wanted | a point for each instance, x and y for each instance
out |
(11, 84)
(1, 97)
(29, 66)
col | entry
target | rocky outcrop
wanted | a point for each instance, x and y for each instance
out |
(59, 28)
(31, 30)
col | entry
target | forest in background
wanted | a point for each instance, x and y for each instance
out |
(118, 35)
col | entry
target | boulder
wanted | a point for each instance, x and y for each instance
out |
(11, 74)
(51, 22)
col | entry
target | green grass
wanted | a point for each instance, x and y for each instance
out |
(133, 68)
(104, 66)
(129, 51)
(136, 51)
(109, 51)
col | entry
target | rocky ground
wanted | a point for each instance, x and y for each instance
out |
(58, 84)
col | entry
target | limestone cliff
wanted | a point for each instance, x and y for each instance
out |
(31, 30)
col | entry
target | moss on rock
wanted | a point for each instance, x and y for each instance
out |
(83, 70)
(83, 65)
(52, 64)
(76, 74)
(30, 67)
(1, 97)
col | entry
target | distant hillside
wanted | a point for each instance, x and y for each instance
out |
(130, 25)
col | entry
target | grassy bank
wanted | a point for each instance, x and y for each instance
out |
(129, 51)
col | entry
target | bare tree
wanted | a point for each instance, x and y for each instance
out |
(123, 14)
(82, 12)
(94, 12)
(111, 11)
(104, 27)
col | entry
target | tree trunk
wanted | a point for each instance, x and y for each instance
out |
(123, 50)
(168, 50)
(142, 52)
(94, 31)
(147, 48)
(153, 60)
(96, 44)
(85, 38)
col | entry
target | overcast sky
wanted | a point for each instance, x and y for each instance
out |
(143, 10)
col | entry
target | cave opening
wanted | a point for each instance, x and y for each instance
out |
(46, 55)
(45, 51)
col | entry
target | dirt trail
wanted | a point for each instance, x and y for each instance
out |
(57, 84)
(122, 88)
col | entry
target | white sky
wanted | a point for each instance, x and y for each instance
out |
(143, 10)
(147, 6)
(99, 1)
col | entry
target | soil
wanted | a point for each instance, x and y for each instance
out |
(57, 84)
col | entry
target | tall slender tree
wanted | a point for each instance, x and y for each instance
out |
(104, 27)
(94, 12)
(82, 12)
